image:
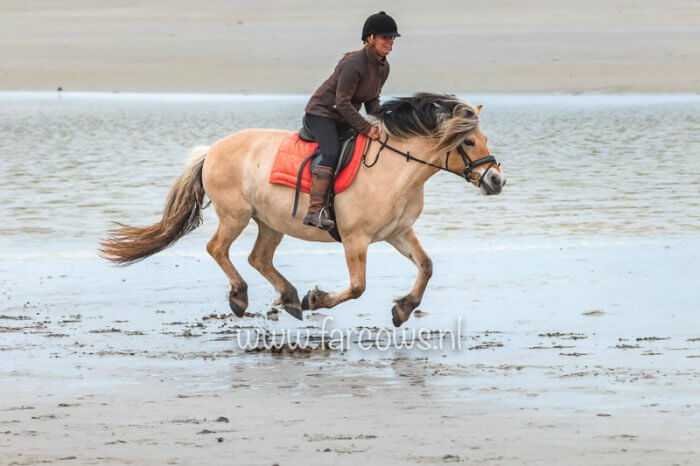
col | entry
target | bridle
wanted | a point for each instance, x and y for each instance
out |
(469, 165)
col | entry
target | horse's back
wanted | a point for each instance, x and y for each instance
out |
(240, 157)
(240, 144)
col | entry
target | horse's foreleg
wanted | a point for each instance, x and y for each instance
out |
(407, 244)
(261, 258)
(230, 226)
(356, 258)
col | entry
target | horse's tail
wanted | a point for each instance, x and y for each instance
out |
(182, 213)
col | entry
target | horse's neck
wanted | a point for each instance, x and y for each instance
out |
(393, 169)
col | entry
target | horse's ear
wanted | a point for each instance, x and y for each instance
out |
(478, 109)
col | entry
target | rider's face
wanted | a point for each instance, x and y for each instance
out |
(382, 45)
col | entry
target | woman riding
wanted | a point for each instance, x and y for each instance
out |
(334, 107)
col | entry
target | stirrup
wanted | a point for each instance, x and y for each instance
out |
(317, 221)
(331, 222)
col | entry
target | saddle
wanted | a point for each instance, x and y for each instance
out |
(346, 141)
(298, 153)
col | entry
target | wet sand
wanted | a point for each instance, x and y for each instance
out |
(332, 417)
(581, 362)
(239, 47)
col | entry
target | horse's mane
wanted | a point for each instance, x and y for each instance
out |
(445, 117)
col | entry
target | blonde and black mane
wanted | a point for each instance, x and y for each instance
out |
(442, 116)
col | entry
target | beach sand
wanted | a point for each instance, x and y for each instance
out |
(292, 46)
(579, 363)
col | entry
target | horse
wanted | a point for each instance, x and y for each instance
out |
(418, 135)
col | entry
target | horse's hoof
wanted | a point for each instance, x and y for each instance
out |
(395, 318)
(295, 311)
(238, 302)
(314, 299)
(237, 310)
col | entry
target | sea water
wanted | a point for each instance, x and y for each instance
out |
(579, 168)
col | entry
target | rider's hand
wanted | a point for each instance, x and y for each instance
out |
(373, 132)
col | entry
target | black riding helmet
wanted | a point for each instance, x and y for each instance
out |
(380, 24)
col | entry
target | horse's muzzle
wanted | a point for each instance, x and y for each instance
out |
(493, 183)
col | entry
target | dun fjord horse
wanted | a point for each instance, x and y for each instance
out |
(420, 136)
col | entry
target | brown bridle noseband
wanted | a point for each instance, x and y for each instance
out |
(469, 165)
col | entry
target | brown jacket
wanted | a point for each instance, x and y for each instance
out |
(358, 79)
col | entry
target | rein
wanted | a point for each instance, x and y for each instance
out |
(469, 165)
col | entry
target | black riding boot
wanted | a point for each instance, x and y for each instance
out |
(317, 215)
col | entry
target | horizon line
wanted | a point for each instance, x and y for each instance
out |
(591, 97)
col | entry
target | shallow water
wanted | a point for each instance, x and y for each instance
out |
(579, 168)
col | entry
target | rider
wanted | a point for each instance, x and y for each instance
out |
(358, 78)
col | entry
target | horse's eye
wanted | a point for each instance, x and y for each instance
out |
(469, 142)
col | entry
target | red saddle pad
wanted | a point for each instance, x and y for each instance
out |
(293, 150)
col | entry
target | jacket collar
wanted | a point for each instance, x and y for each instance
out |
(372, 57)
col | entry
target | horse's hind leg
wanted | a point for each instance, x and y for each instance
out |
(407, 244)
(261, 258)
(230, 226)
